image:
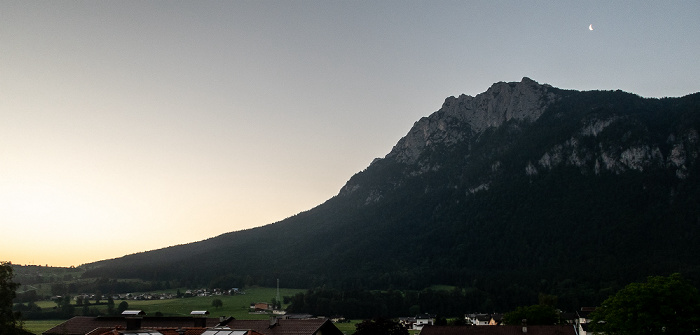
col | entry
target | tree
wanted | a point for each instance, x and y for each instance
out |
(110, 305)
(276, 304)
(122, 307)
(669, 305)
(535, 315)
(67, 310)
(380, 326)
(217, 303)
(8, 318)
(548, 300)
(440, 321)
(59, 289)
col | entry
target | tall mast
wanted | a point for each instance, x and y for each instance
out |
(279, 301)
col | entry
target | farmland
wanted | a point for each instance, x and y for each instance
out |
(234, 305)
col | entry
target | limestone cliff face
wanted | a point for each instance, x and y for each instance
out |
(677, 153)
(466, 116)
(596, 132)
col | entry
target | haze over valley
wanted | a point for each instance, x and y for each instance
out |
(127, 127)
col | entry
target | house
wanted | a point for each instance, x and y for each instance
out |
(180, 331)
(81, 325)
(135, 322)
(500, 330)
(583, 320)
(417, 322)
(484, 319)
(260, 306)
(423, 320)
(496, 319)
(584, 315)
(282, 326)
(407, 321)
(479, 319)
(568, 318)
(298, 316)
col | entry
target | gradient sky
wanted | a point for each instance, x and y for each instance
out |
(128, 126)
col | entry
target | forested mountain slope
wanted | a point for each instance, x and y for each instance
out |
(523, 188)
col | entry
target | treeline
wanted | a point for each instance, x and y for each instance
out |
(64, 309)
(499, 292)
(359, 304)
(97, 286)
(109, 286)
(37, 274)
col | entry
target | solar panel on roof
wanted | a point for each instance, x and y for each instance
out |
(224, 332)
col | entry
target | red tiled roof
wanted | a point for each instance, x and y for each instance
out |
(283, 327)
(163, 331)
(100, 331)
(188, 331)
(498, 330)
(82, 325)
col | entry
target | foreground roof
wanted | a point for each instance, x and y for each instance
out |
(84, 325)
(81, 325)
(498, 330)
(287, 327)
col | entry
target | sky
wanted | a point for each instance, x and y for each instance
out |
(128, 126)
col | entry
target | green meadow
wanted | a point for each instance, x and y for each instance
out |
(237, 306)
(40, 326)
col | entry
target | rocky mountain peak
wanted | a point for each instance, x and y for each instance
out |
(519, 173)
(466, 116)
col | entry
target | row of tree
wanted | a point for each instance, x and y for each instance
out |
(661, 305)
(363, 304)
(102, 284)
(65, 309)
(669, 305)
(9, 319)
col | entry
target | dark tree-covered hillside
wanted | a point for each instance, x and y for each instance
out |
(600, 190)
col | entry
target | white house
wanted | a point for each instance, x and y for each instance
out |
(423, 320)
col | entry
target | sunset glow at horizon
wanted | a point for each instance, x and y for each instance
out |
(133, 126)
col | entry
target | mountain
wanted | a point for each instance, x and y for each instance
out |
(521, 189)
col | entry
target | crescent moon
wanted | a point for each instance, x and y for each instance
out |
(590, 27)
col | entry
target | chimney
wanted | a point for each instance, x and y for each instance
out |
(200, 318)
(133, 319)
(274, 321)
(524, 326)
(223, 321)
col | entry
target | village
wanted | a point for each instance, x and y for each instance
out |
(136, 322)
(157, 296)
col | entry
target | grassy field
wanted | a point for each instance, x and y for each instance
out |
(348, 327)
(40, 326)
(236, 306)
